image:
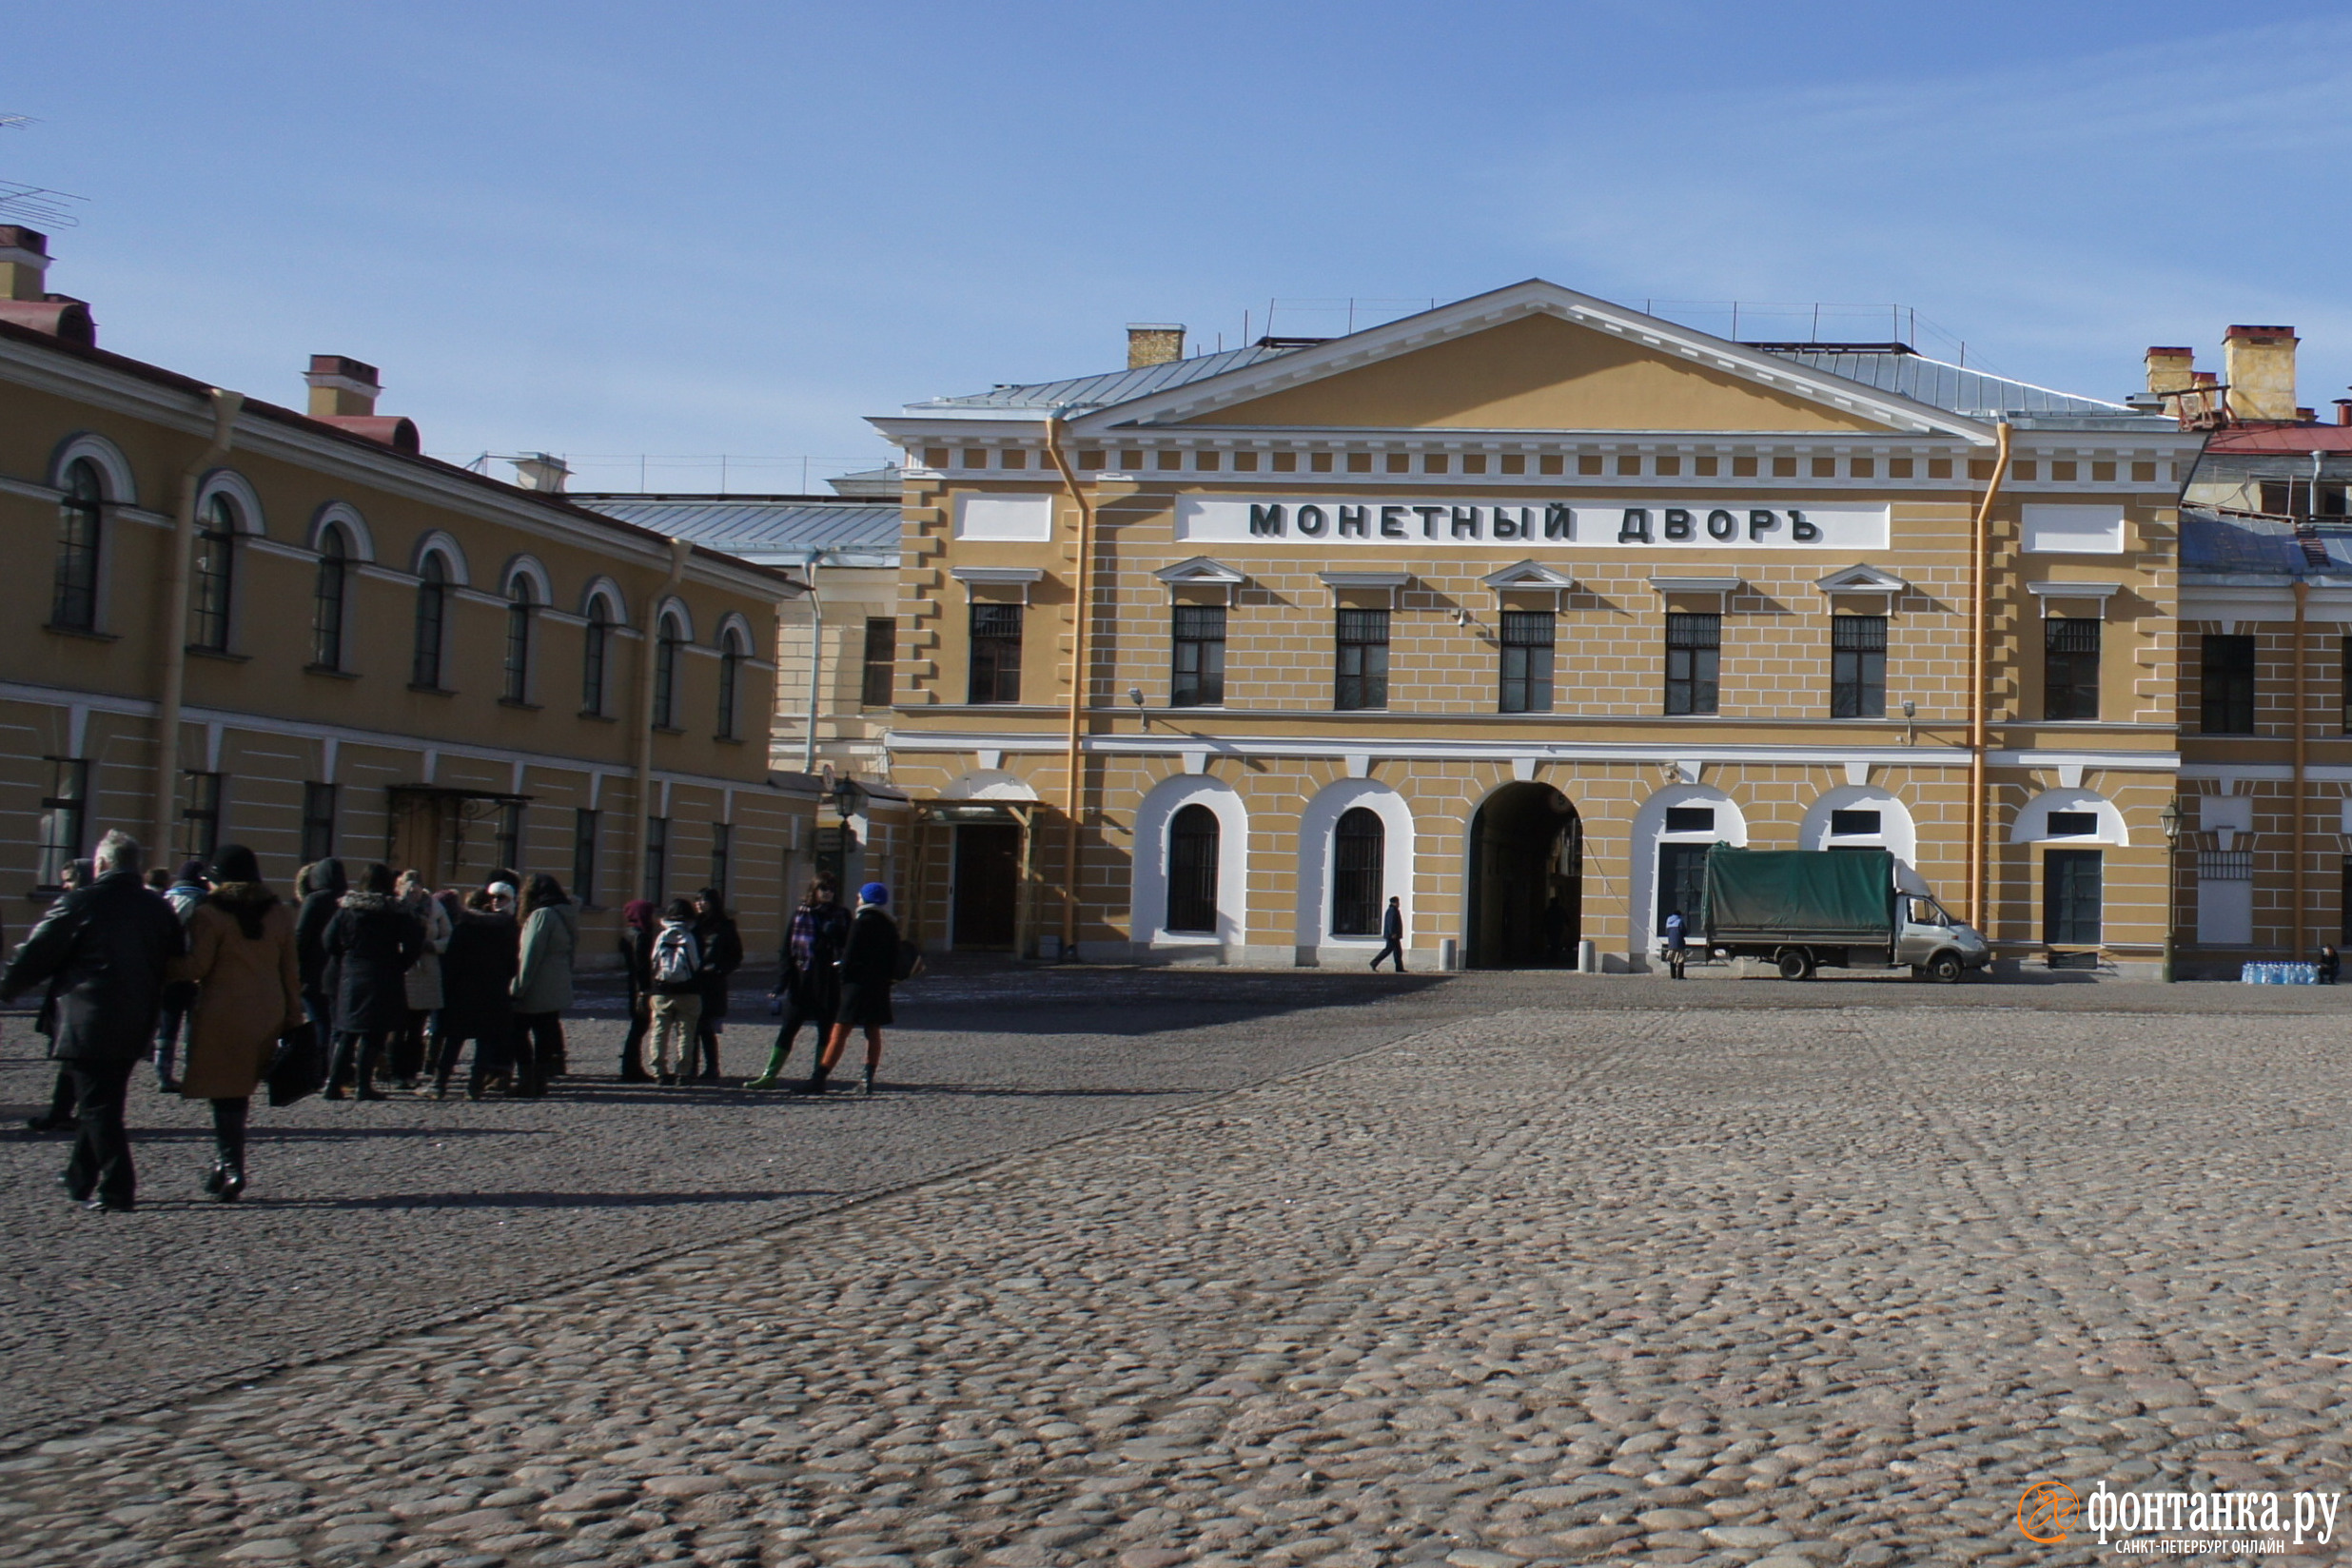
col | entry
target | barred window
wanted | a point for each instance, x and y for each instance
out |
(318, 822)
(1694, 652)
(432, 621)
(1358, 870)
(1857, 666)
(327, 607)
(2070, 668)
(1527, 648)
(1192, 844)
(519, 608)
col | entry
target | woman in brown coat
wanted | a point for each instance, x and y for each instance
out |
(248, 993)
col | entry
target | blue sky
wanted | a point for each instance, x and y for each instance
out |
(690, 229)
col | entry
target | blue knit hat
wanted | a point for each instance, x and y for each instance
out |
(875, 892)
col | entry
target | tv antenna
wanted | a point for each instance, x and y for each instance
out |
(35, 204)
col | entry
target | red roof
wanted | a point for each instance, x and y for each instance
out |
(2281, 438)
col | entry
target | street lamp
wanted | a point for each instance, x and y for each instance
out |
(2170, 818)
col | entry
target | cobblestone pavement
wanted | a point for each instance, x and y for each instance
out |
(1708, 1276)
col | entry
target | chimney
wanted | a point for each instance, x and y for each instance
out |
(343, 394)
(1154, 343)
(24, 261)
(25, 301)
(541, 471)
(2344, 410)
(2170, 369)
(2258, 364)
(342, 387)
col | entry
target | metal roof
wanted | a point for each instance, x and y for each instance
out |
(1971, 393)
(1112, 387)
(1948, 386)
(762, 528)
(2216, 543)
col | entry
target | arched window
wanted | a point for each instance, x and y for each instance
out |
(1358, 867)
(209, 576)
(432, 622)
(75, 604)
(519, 604)
(595, 644)
(731, 656)
(326, 609)
(666, 645)
(1192, 870)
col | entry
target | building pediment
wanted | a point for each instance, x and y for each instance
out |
(1534, 357)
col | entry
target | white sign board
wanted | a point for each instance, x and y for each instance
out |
(2073, 530)
(1022, 518)
(1513, 525)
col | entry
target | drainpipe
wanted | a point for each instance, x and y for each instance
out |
(1980, 680)
(1075, 777)
(816, 665)
(680, 550)
(2296, 804)
(173, 629)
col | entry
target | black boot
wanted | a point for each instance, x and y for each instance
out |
(371, 1048)
(815, 1084)
(866, 1085)
(339, 1075)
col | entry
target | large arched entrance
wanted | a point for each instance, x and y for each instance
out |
(1526, 879)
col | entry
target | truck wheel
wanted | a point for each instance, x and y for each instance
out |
(1796, 964)
(1946, 967)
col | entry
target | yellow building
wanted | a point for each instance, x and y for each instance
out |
(237, 621)
(1508, 610)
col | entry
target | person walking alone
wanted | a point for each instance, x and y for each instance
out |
(477, 1004)
(1678, 944)
(1391, 935)
(182, 892)
(370, 944)
(423, 983)
(868, 967)
(543, 986)
(676, 975)
(808, 973)
(722, 954)
(637, 953)
(249, 994)
(104, 950)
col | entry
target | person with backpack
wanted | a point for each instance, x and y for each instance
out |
(871, 960)
(722, 954)
(808, 979)
(676, 971)
(182, 892)
(1678, 944)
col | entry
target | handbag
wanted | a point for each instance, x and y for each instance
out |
(298, 1069)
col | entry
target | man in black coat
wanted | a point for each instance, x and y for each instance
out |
(323, 885)
(106, 948)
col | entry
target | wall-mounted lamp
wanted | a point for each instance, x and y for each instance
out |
(1135, 695)
(1910, 729)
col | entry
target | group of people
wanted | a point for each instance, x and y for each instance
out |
(834, 974)
(211, 973)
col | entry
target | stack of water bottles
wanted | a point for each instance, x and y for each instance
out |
(2279, 975)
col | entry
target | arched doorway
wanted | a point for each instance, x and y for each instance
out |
(1526, 879)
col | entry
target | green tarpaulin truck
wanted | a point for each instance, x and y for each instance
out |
(1844, 908)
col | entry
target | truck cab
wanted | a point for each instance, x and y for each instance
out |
(1935, 943)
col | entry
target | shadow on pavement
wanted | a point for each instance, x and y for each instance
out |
(526, 1200)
